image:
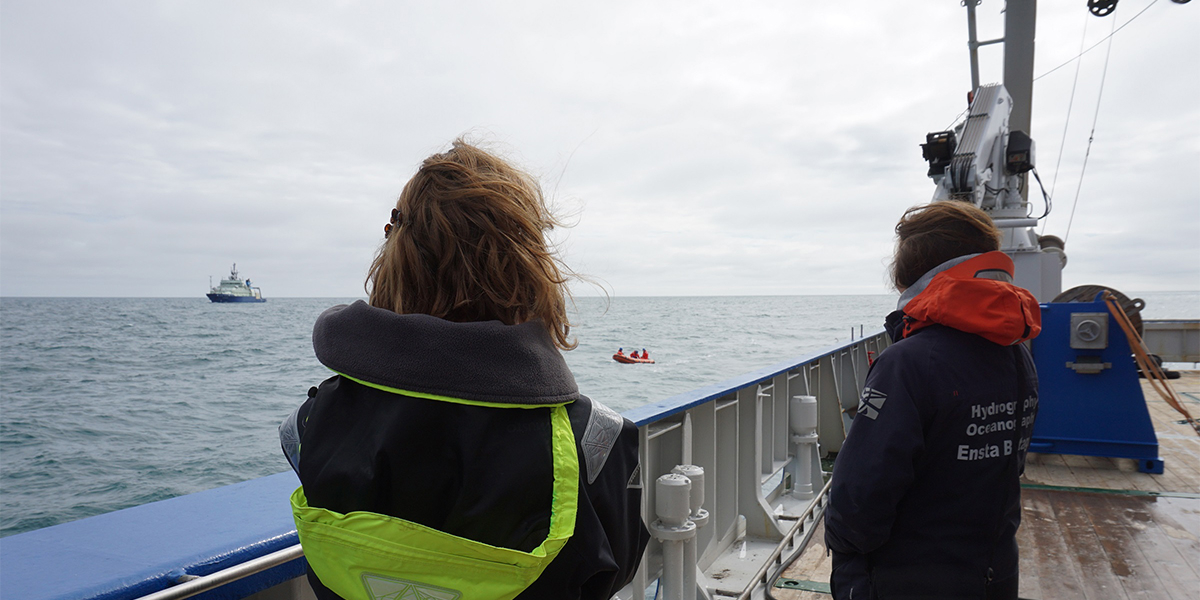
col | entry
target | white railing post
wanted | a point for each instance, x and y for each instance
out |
(672, 503)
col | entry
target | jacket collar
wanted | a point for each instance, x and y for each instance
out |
(923, 282)
(974, 294)
(483, 361)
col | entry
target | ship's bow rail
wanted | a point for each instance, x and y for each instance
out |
(748, 445)
(762, 477)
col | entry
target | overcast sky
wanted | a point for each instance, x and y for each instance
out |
(702, 148)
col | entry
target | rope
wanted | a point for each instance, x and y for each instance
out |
(1091, 136)
(1154, 375)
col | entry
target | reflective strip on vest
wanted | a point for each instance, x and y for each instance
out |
(368, 556)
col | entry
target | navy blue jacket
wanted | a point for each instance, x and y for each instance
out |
(925, 498)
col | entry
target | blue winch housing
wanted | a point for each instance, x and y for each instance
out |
(1091, 402)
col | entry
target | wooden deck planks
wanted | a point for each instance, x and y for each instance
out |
(1087, 554)
(1081, 545)
(1055, 575)
(1175, 570)
(1125, 470)
(1031, 587)
(1184, 452)
(812, 565)
(1141, 570)
(1088, 475)
(1050, 469)
(1126, 560)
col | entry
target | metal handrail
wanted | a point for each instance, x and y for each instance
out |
(761, 575)
(742, 426)
(643, 416)
(199, 585)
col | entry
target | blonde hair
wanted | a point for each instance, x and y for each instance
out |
(468, 244)
(932, 234)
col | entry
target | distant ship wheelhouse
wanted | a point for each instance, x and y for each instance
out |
(233, 289)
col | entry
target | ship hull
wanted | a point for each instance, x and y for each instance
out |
(229, 298)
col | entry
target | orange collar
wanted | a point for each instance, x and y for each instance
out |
(976, 296)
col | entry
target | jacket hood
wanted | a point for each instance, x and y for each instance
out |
(482, 361)
(974, 294)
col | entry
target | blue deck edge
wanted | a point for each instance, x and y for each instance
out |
(137, 551)
(140, 550)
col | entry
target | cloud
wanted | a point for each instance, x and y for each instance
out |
(706, 148)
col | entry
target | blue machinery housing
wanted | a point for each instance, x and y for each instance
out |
(1091, 404)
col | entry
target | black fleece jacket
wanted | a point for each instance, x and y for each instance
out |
(477, 472)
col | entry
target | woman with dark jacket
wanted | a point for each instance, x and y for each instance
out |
(451, 455)
(925, 501)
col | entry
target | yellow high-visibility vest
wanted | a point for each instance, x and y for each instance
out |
(370, 556)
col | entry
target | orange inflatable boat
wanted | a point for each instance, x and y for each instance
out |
(626, 359)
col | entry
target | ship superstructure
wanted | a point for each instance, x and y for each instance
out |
(234, 289)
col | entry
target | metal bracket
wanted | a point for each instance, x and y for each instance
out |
(1088, 367)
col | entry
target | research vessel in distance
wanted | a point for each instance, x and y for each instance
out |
(233, 289)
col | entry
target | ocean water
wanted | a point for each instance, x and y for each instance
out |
(107, 403)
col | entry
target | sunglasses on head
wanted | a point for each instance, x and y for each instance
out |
(397, 220)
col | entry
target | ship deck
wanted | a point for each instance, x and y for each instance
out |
(1092, 527)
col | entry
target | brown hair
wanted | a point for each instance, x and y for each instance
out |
(930, 235)
(468, 245)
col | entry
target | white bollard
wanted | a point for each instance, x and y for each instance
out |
(803, 415)
(699, 516)
(694, 474)
(672, 504)
(803, 421)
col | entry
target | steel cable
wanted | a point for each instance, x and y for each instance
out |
(1091, 136)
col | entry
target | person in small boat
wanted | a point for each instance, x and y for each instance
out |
(926, 500)
(645, 355)
(620, 352)
(452, 454)
(634, 355)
